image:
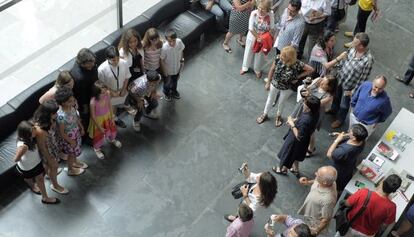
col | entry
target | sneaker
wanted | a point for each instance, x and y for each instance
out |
(120, 123)
(116, 143)
(131, 110)
(136, 126)
(348, 45)
(167, 98)
(349, 34)
(99, 154)
(176, 95)
(152, 115)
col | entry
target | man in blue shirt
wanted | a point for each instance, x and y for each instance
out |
(370, 104)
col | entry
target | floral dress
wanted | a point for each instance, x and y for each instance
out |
(70, 121)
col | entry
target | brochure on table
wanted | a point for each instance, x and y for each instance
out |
(393, 153)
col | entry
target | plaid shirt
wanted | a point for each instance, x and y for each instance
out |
(354, 70)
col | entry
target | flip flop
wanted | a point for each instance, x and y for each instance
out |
(295, 172)
(277, 170)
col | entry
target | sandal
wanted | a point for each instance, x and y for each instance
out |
(258, 75)
(309, 153)
(75, 171)
(278, 121)
(277, 170)
(57, 201)
(37, 192)
(242, 72)
(411, 95)
(241, 43)
(227, 48)
(261, 118)
(295, 172)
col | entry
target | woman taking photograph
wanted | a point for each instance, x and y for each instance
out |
(261, 21)
(322, 54)
(298, 137)
(284, 72)
(261, 194)
(324, 89)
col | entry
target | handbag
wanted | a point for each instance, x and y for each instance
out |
(236, 192)
(341, 216)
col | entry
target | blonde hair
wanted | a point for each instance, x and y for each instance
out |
(151, 34)
(265, 5)
(288, 55)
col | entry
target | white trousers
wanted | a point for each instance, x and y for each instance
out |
(249, 56)
(284, 95)
(353, 233)
(353, 120)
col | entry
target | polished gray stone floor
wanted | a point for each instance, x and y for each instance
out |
(174, 178)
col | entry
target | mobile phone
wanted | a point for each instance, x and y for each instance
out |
(359, 184)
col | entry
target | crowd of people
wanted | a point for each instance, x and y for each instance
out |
(86, 103)
(326, 84)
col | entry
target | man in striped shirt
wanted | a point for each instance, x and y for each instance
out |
(355, 69)
(290, 27)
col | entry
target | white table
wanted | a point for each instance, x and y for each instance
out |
(403, 122)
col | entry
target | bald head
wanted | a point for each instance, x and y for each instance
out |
(378, 85)
(326, 175)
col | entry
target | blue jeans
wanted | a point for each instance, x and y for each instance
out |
(170, 84)
(219, 9)
(341, 104)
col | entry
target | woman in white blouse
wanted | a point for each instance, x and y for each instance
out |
(261, 194)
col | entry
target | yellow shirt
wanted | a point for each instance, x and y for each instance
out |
(366, 5)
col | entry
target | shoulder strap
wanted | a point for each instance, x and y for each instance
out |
(362, 208)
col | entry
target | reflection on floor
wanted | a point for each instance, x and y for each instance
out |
(174, 178)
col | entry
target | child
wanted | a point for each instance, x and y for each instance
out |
(144, 96)
(172, 61)
(29, 164)
(131, 50)
(114, 74)
(47, 141)
(71, 130)
(243, 224)
(152, 45)
(101, 123)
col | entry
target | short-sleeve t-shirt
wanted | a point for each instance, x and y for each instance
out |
(344, 159)
(285, 74)
(380, 210)
(172, 56)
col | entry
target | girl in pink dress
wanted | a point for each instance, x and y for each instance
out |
(101, 124)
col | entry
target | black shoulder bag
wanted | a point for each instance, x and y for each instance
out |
(341, 216)
(235, 191)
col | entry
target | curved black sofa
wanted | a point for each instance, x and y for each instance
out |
(188, 19)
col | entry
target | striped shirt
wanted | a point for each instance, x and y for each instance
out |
(290, 30)
(152, 59)
(355, 70)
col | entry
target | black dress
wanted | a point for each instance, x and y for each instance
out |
(294, 149)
